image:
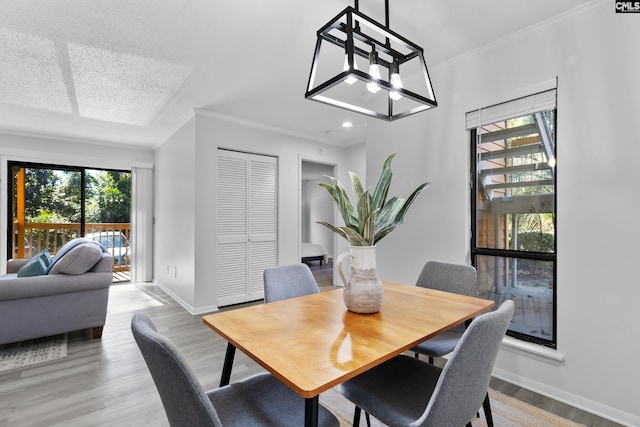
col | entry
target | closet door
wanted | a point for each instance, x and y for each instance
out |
(247, 219)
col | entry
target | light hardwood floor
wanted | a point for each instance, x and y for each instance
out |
(106, 383)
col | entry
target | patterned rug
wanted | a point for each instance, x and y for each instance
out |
(25, 353)
(507, 412)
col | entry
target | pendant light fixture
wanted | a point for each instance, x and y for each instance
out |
(396, 82)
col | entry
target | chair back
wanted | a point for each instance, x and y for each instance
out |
(458, 278)
(288, 281)
(464, 381)
(185, 401)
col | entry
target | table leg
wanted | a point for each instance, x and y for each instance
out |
(311, 412)
(228, 364)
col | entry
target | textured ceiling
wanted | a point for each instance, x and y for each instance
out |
(130, 72)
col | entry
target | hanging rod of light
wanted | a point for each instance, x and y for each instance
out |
(363, 66)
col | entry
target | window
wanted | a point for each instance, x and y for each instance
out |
(513, 202)
(52, 204)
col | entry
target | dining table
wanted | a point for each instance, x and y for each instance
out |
(313, 342)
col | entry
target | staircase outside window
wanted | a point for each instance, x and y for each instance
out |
(514, 217)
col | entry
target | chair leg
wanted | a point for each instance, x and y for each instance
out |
(430, 360)
(356, 417)
(487, 410)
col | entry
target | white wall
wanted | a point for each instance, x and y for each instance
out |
(187, 164)
(175, 232)
(61, 152)
(355, 156)
(72, 153)
(595, 56)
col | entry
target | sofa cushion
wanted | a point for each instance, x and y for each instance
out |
(76, 257)
(36, 266)
(46, 257)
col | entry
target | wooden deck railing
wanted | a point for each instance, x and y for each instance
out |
(37, 236)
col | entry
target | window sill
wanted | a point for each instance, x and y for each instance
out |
(536, 350)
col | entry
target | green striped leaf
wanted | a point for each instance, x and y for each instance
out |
(374, 216)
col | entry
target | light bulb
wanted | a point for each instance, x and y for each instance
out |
(396, 82)
(350, 80)
(374, 72)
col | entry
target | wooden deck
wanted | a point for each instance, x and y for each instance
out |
(121, 276)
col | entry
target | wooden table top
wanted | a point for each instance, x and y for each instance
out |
(313, 343)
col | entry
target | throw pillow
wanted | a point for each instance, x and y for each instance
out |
(36, 266)
(46, 257)
(76, 257)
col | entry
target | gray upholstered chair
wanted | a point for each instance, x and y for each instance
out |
(405, 391)
(458, 278)
(259, 400)
(288, 281)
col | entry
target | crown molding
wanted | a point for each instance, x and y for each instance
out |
(190, 114)
(268, 128)
(72, 139)
(576, 11)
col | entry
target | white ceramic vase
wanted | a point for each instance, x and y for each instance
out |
(363, 291)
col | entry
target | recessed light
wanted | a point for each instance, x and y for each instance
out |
(347, 124)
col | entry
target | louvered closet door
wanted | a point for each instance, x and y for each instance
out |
(247, 218)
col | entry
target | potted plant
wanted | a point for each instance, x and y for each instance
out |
(373, 217)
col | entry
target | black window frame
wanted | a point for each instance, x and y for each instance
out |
(514, 254)
(35, 165)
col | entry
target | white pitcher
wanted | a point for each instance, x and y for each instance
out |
(363, 292)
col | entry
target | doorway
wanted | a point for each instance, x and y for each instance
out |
(317, 244)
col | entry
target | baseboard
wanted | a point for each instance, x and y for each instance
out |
(596, 408)
(192, 310)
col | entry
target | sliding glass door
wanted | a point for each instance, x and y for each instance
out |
(51, 204)
(108, 206)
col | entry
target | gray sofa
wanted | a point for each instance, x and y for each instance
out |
(68, 297)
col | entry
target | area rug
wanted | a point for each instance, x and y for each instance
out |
(507, 412)
(25, 353)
